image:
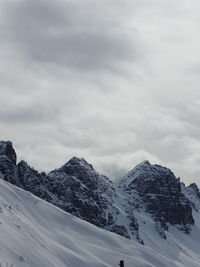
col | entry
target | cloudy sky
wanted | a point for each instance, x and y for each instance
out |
(113, 81)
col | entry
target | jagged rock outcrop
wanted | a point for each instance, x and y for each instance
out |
(160, 191)
(116, 206)
(7, 150)
(31, 180)
(82, 191)
(8, 160)
(194, 190)
(75, 187)
(21, 174)
(192, 193)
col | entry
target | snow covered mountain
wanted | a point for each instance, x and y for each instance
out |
(149, 204)
(36, 233)
(156, 190)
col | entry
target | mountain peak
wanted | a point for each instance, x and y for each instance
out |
(6, 149)
(81, 162)
(144, 163)
(195, 189)
(132, 174)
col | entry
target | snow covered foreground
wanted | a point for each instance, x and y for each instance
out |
(35, 233)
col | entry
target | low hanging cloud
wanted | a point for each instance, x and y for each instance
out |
(115, 82)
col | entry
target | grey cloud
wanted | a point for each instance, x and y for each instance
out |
(31, 115)
(59, 33)
(61, 94)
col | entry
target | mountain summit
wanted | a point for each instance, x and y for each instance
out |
(147, 197)
(79, 162)
(7, 150)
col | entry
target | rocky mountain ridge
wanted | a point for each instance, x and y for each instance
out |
(149, 195)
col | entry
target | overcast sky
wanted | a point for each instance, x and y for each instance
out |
(113, 81)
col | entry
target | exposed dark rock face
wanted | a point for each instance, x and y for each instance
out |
(7, 150)
(160, 230)
(82, 191)
(7, 162)
(161, 192)
(32, 181)
(192, 193)
(194, 190)
(120, 230)
(134, 227)
(77, 188)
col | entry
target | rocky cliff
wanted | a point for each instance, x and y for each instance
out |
(123, 206)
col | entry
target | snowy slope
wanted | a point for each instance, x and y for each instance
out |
(36, 233)
(149, 205)
(147, 193)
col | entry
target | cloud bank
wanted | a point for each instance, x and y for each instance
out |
(115, 82)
